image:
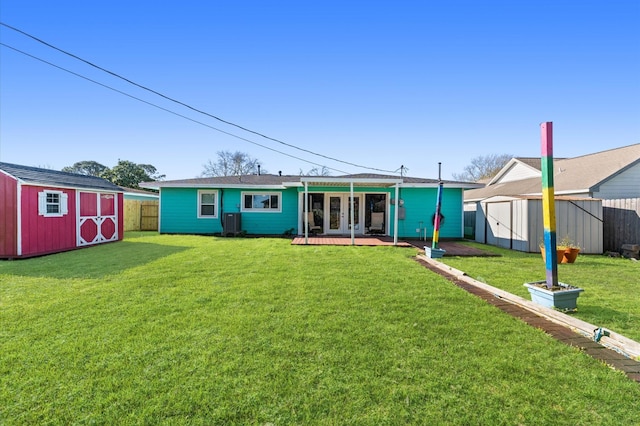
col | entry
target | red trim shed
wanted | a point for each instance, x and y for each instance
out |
(46, 211)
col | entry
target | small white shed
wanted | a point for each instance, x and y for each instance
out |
(516, 222)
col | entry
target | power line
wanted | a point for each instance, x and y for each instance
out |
(187, 105)
(165, 109)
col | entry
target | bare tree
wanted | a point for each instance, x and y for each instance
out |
(231, 164)
(483, 167)
(323, 171)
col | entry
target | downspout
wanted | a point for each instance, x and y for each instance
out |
(395, 221)
(351, 215)
(305, 217)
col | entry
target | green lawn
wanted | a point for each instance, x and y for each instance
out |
(612, 285)
(203, 330)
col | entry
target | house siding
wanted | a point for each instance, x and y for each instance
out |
(420, 206)
(8, 213)
(265, 223)
(623, 185)
(179, 212)
(517, 172)
(41, 234)
(134, 197)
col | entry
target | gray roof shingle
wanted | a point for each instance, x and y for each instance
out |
(578, 174)
(35, 175)
(269, 180)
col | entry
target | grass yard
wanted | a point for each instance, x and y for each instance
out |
(166, 329)
(612, 285)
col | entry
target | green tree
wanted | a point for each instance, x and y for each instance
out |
(88, 168)
(231, 164)
(129, 174)
(483, 167)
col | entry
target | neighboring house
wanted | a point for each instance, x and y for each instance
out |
(140, 210)
(606, 175)
(276, 205)
(46, 211)
(580, 184)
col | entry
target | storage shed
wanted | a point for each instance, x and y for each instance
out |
(516, 222)
(47, 211)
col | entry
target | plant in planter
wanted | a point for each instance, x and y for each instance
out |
(570, 248)
(559, 253)
(566, 250)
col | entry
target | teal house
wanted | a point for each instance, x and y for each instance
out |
(266, 204)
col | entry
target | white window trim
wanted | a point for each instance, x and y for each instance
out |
(215, 206)
(269, 210)
(42, 203)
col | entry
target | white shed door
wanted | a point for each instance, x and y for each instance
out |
(499, 224)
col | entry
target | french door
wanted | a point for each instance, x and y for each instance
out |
(339, 208)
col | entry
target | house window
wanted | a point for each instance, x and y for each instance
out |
(261, 201)
(52, 203)
(208, 204)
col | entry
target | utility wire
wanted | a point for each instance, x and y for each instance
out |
(187, 105)
(166, 110)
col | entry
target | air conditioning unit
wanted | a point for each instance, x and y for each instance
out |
(231, 225)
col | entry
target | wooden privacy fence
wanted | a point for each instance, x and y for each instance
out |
(621, 223)
(140, 215)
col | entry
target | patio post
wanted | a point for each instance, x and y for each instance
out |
(395, 221)
(351, 215)
(305, 217)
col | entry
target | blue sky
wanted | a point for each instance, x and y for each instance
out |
(378, 84)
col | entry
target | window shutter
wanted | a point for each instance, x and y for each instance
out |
(64, 201)
(42, 203)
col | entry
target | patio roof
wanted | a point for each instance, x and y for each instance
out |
(356, 181)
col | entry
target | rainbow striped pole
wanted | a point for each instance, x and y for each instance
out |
(548, 204)
(436, 220)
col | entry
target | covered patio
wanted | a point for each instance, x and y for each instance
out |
(349, 212)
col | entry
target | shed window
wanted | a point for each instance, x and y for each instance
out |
(208, 204)
(52, 203)
(261, 201)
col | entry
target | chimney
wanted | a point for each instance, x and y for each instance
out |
(279, 172)
(258, 169)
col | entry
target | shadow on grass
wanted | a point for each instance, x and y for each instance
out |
(90, 262)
